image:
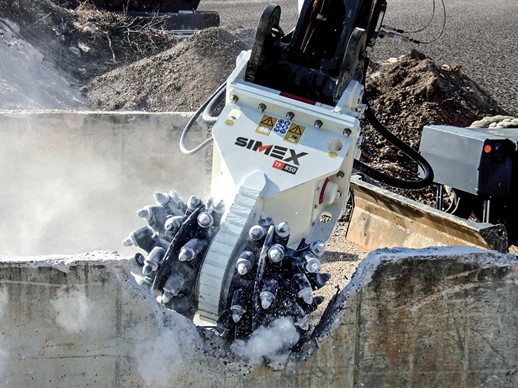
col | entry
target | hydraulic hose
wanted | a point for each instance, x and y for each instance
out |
(216, 96)
(213, 101)
(406, 149)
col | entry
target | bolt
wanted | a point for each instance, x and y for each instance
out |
(317, 247)
(340, 174)
(256, 233)
(173, 224)
(205, 220)
(290, 115)
(234, 99)
(282, 229)
(261, 107)
(193, 203)
(276, 253)
(318, 124)
(347, 132)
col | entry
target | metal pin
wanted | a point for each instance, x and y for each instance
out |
(193, 203)
(237, 305)
(312, 263)
(265, 220)
(154, 215)
(282, 233)
(173, 224)
(143, 237)
(317, 247)
(152, 260)
(244, 263)
(218, 209)
(191, 249)
(318, 280)
(303, 287)
(256, 233)
(276, 253)
(173, 286)
(268, 293)
(173, 206)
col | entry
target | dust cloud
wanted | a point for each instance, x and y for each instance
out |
(27, 80)
(72, 182)
(73, 310)
(267, 342)
(162, 358)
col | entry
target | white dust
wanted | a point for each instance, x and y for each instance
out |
(268, 341)
(161, 358)
(73, 310)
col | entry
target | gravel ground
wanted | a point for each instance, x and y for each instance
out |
(480, 36)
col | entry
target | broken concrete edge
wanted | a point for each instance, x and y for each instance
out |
(123, 117)
(162, 319)
(63, 262)
(200, 348)
(373, 262)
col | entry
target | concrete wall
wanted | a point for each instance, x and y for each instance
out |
(444, 317)
(72, 181)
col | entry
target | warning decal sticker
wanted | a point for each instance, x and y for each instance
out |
(281, 126)
(294, 133)
(266, 125)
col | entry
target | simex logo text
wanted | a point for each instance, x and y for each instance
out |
(287, 155)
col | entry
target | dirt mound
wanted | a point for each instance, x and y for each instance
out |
(179, 79)
(79, 41)
(409, 92)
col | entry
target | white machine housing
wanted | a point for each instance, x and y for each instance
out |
(277, 155)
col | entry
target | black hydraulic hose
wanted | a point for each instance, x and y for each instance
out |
(405, 148)
(207, 115)
(188, 126)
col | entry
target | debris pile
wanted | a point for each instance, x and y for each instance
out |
(177, 80)
(52, 49)
(409, 92)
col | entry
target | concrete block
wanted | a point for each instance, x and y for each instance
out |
(443, 317)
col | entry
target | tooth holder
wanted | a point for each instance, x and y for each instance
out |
(288, 158)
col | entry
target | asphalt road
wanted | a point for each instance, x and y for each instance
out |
(480, 35)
